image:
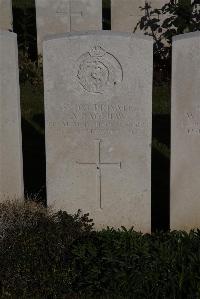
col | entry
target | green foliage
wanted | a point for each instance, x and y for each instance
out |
(161, 99)
(44, 254)
(24, 24)
(32, 106)
(179, 17)
(126, 264)
(106, 3)
(30, 71)
(162, 23)
(34, 246)
(23, 3)
(161, 148)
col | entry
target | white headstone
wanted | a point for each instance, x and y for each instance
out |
(98, 98)
(6, 14)
(125, 14)
(61, 16)
(11, 177)
(185, 132)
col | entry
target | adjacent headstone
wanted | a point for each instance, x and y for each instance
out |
(11, 178)
(185, 132)
(61, 16)
(125, 14)
(98, 99)
(6, 14)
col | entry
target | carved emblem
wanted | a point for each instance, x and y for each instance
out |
(99, 70)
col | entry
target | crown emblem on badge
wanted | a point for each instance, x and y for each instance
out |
(97, 51)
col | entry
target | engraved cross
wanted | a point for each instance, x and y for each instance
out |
(66, 9)
(99, 164)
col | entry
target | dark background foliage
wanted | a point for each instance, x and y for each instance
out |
(24, 23)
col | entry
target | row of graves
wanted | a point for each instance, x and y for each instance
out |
(61, 16)
(98, 118)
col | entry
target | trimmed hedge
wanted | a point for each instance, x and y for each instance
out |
(44, 254)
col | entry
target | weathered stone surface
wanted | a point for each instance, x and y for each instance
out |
(61, 16)
(125, 14)
(11, 178)
(6, 14)
(185, 132)
(98, 98)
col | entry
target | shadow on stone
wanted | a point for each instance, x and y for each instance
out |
(33, 145)
(160, 175)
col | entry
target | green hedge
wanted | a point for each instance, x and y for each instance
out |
(126, 264)
(44, 254)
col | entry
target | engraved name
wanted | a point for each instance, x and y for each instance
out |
(96, 118)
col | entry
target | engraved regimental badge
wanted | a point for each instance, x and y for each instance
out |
(99, 70)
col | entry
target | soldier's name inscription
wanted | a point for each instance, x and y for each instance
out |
(94, 117)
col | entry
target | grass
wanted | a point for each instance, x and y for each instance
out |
(161, 99)
(23, 3)
(162, 148)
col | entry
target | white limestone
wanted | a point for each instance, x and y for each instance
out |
(6, 14)
(11, 178)
(98, 98)
(185, 133)
(61, 16)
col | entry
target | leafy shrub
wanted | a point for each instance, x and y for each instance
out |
(179, 17)
(46, 254)
(126, 264)
(34, 245)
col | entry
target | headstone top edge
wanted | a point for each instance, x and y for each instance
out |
(7, 33)
(186, 36)
(97, 33)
